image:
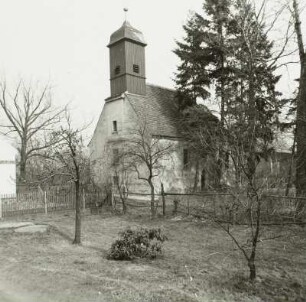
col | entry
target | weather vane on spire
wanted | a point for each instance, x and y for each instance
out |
(125, 12)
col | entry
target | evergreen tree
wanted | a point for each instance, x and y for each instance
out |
(228, 52)
(192, 79)
(204, 55)
(206, 59)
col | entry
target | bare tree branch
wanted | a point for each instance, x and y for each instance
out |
(29, 115)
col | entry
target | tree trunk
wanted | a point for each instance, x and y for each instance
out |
(251, 260)
(123, 200)
(153, 210)
(221, 159)
(124, 208)
(301, 139)
(252, 118)
(300, 115)
(252, 267)
(78, 214)
(22, 163)
(22, 172)
(122, 194)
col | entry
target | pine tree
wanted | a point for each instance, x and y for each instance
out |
(226, 50)
(192, 78)
(205, 62)
(204, 55)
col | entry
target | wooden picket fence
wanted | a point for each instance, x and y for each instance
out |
(44, 202)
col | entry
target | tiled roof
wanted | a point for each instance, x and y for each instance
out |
(159, 109)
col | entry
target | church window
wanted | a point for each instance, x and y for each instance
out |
(117, 70)
(115, 128)
(136, 68)
(185, 157)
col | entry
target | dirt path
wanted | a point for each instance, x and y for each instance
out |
(8, 294)
(5, 297)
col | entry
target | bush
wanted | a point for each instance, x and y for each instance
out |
(139, 243)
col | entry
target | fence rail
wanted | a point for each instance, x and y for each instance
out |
(276, 209)
(44, 202)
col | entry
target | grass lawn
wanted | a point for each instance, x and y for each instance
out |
(200, 263)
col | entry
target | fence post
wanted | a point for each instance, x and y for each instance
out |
(175, 206)
(0, 207)
(45, 202)
(163, 199)
(188, 210)
(83, 196)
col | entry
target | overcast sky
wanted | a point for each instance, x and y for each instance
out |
(64, 42)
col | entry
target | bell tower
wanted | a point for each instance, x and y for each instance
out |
(127, 61)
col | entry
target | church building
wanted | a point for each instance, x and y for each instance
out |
(133, 102)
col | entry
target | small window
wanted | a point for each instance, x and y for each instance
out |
(115, 156)
(117, 70)
(185, 157)
(116, 180)
(115, 128)
(136, 68)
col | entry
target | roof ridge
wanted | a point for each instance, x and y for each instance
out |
(162, 87)
(126, 93)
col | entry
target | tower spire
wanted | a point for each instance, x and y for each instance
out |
(125, 12)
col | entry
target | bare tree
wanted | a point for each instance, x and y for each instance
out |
(143, 154)
(246, 202)
(70, 161)
(28, 115)
(121, 183)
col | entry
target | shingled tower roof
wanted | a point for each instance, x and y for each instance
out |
(127, 32)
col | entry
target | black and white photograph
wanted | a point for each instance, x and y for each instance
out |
(153, 151)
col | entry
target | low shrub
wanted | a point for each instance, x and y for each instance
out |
(139, 243)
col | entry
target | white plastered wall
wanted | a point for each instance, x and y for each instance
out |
(7, 168)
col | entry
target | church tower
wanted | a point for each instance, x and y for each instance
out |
(127, 61)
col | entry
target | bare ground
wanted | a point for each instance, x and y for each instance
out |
(200, 263)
